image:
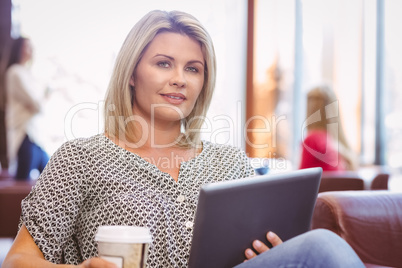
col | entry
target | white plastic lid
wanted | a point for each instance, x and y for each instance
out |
(123, 234)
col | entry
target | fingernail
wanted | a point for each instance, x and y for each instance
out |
(257, 244)
(249, 253)
(271, 234)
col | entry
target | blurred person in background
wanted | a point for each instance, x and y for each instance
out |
(23, 103)
(325, 144)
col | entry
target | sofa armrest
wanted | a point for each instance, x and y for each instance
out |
(370, 221)
(340, 181)
(11, 194)
(380, 182)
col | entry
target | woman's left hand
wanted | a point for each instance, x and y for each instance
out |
(260, 247)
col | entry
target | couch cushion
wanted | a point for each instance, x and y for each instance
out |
(370, 221)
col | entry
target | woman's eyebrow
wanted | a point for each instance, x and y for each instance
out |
(196, 61)
(163, 55)
(172, 58)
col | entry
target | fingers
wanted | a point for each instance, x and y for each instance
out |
(274, 239)
(258, 246)
(249, 253)
(261, 247)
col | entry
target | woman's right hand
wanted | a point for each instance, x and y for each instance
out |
(96, 263)
(260, 247)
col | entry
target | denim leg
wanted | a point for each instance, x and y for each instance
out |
(317, 248)
(40, 158)
(30, 156)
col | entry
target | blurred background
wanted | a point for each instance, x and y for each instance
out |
(270, 54)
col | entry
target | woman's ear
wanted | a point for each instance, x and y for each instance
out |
(132, 81)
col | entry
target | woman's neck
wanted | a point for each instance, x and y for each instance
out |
(163, 137)
(157, 135)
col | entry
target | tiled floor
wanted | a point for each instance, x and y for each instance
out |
(5, 244)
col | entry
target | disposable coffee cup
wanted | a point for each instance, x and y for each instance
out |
(125, 246)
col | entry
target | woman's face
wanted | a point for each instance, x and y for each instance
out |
(169, 78)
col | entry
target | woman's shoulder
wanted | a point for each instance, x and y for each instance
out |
(93, 144)
(15, 69)
(17, 73)
(316, 134)
(83, 140)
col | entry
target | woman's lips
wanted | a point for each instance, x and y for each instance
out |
(174, 98)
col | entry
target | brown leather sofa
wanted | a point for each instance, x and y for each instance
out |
(11, 194)
(350, 180)
(370, 221)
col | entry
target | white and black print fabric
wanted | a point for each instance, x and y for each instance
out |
(91, 182)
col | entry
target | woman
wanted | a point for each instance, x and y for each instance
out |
(325, 144)
(148, 166)
(22, 105)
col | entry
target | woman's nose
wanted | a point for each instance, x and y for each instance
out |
(178, 79)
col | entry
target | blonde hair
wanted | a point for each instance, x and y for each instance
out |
(318, 99)
(120, 95)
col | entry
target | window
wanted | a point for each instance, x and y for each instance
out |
(77, 41)
(392, 83)
(351, 46)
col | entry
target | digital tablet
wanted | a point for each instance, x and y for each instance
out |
(231, 214)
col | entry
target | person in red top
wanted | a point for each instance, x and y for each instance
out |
(325, 144)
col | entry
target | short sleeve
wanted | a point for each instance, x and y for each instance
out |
(50, 210)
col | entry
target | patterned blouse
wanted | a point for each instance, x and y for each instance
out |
(91, 182)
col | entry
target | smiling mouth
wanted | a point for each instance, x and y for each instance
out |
(175, 97)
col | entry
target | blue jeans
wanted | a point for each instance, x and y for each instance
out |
(317, 248)
(30, 157)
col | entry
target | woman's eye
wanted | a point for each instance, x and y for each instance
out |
(192, 69)
(163, 64)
